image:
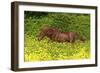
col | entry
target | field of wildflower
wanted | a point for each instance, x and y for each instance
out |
(47, 49)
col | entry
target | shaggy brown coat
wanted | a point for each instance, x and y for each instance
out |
(55, 35)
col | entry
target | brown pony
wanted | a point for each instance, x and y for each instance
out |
(55, 35)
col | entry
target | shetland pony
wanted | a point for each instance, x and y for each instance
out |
(56, 35)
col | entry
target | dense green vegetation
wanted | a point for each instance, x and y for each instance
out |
(45, 49)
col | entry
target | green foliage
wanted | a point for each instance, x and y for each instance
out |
(46, 49)
(79, 23)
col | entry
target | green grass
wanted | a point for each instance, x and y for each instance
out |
(46, 49)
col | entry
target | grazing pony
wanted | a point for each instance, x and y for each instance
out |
(56, 35)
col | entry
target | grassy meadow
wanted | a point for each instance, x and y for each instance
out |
(47, 49)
